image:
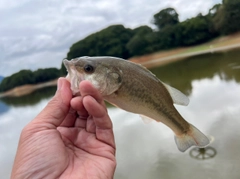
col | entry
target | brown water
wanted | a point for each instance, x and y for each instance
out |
(148, 151)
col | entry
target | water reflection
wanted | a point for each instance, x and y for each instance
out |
(202, 153)
(149, 151)
(3, 107)
(181, 74)
(11, 124)
(30, 99)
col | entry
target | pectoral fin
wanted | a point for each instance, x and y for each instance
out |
(177, 96)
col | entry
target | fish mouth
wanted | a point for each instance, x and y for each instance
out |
(75, 81)
(73, 76)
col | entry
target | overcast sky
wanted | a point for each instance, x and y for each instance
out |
(37, 34)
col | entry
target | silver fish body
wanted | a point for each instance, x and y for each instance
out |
(133, 88)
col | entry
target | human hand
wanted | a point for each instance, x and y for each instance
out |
(70, 138)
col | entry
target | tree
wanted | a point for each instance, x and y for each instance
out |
(196, 30)
(42, 75)
(17, 79)
(170, 37)
(28, 77)
(110, 41)
(142, 30)
(139, 43)
(166, 17)
(214, 10)
(227, 18)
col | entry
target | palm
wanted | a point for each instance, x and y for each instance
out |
(75, 153)
(74, 142)
(85, 156)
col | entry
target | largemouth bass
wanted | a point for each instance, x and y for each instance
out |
(133, 88)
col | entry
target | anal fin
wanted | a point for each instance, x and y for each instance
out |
(146, 119)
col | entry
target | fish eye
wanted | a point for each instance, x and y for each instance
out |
(88, 68)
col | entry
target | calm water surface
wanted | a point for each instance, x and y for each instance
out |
(148, 151)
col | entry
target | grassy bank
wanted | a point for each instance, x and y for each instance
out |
(163, 57)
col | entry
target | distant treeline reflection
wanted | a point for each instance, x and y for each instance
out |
(30, 99)
(181, 74)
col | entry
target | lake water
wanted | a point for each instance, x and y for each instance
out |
(148, 151)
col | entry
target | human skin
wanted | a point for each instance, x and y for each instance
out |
(72, 137)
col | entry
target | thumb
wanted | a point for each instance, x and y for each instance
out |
(57, 108)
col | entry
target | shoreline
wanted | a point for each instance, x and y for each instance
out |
(149, 61)
(173, 58)
(27, 89)
(221, 44)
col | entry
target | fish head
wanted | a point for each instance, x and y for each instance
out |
(105, 77)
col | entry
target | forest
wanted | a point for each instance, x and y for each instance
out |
(29, 77)
(117, 40)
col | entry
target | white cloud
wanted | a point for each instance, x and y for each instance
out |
(37, 28)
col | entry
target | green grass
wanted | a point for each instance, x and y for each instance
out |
(197, 48)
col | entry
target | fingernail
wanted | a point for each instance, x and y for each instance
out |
(59, 85)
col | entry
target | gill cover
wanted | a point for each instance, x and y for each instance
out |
(113, 81)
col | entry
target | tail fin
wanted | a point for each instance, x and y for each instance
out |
(193, 138)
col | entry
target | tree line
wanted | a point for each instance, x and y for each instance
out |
(116, 40)
(29, 77)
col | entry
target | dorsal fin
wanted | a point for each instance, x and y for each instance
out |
(177, 96)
